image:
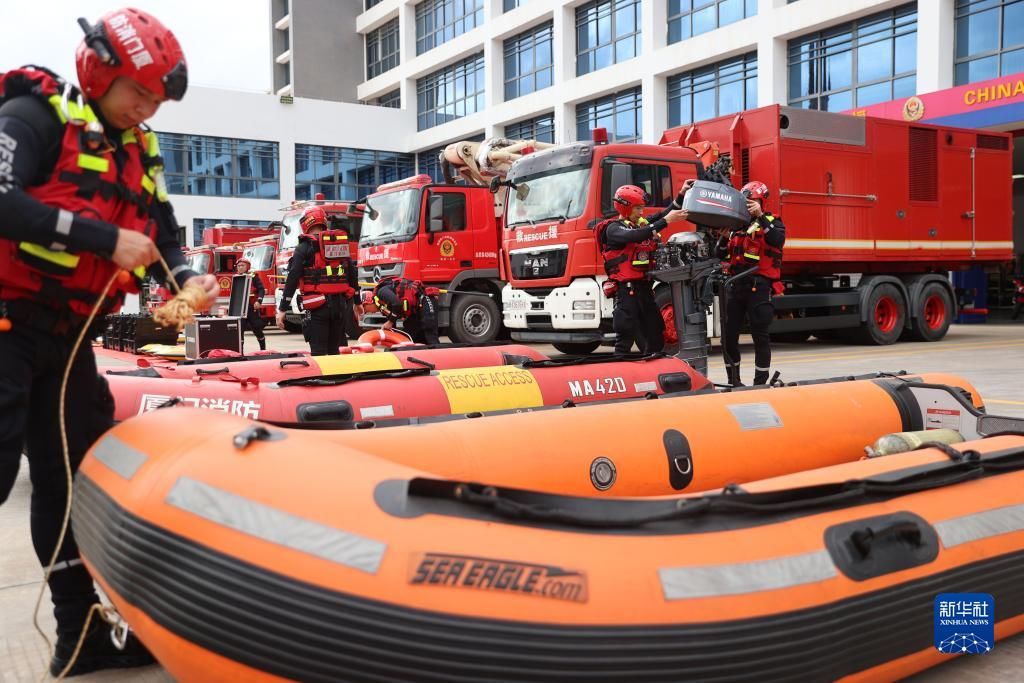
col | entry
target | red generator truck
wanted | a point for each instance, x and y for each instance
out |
(877, 214)
(346, 216)
(447, 235)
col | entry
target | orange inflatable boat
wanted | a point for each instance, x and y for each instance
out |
(290, 560)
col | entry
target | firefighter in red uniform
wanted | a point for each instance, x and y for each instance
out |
(758, 246)
(324, 270)
(253, 321)
(82, 197)
(412, 303)
(627, 245)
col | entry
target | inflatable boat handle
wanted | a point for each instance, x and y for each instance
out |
(592, 359)
(255, 433)
(286, 363)
(905, 531)
(218, 371)
(345, 378)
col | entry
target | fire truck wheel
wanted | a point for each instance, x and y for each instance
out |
(886, 316)
(933, 312)
(473, 320)
(576, 348)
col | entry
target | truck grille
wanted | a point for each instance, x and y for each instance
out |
(539, 265)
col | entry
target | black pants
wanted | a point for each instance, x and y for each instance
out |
(254, 322)
(750, 300)
(636, 317)
(422, 325)
(326, 325)
(31, 366)
(1017, 308)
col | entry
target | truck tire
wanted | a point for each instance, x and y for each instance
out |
(933, 312)
(473, 320)
(576, 348)
(886, 316)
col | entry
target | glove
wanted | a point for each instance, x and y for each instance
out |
(754, 229)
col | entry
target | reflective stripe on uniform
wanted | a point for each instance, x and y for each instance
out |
(93, 163)
(682, 583)
(58, 258)
(276, 526)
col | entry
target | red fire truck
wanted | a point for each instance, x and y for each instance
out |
(877, 213)
(447, 235)
(262, 255)
(346, 216)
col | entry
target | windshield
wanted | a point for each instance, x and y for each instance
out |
(261, 258)
(226, 262)
(199, 262)
(396, 217)
(557, 194)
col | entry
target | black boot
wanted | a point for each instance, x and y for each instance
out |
(263, 343)
(98, 651)
(760, 376)
(732, 372)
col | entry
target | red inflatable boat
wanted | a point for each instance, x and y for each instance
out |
(420, 390)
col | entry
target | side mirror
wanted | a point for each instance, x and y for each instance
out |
(435, 211)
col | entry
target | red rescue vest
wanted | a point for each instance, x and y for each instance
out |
(630, 262)
(408, 293)
(747, 249)
(329, 272)
(86, 180)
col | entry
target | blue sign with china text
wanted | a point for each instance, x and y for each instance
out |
(964, 623)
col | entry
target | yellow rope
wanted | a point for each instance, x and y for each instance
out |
(185, 303)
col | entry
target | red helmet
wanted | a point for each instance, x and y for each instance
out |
(629, 196)
(313, 217)
(755, 189)
(134, 44)
(247, 262)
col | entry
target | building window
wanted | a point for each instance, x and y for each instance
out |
(200, 224)
(619, 113)
(714, 90)
(989, 39)
(450, 93)
(220, 167)
(438, 21)
(688, 18)
(428, 161)
(856, 64)
(391, 99)
(540, 128)
(382, 52)
(607, 32)
(345, 174)
(371, 3)
(528, 62)
(509, 5)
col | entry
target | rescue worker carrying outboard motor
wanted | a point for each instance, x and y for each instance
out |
(627, 244)
(257, 291)
(83, 204)
(409, 301)
(758, 246)
(323, 268)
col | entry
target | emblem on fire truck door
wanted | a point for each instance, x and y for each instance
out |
(447, 247)
(913, 109)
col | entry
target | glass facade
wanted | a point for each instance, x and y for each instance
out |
(220, 167)
(428, 161)
(450, 93)
(391, 99)
(371, 3)
(857, 64)
(620, 113)
(511, 4)
(607, 32)
(714, 90)
(540, 128)
(989, 39)
(688, 18)
(438, 21)
(528, 58)
(346, 174)
(200, 224)
(382, 49)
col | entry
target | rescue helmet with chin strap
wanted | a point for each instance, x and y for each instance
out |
(311, 218)
(755, 189)
(629, 197)
(134, 44)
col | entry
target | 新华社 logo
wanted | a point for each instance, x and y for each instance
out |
(964, 623)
